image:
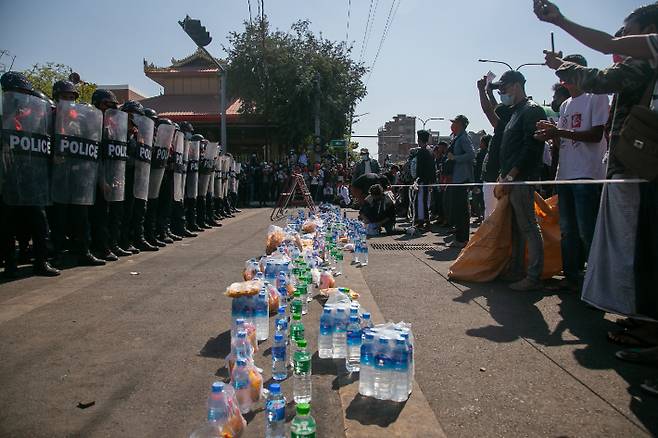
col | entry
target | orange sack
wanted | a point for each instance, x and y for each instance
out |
(489, 250)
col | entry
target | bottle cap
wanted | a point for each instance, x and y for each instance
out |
(366, 315)
(303, 408)
(296, 316)
(242, 334)
(370, 336)
(217, 387)
(354, 318)
(275, 388)
(241, 362)
(341, 309)
(400, 341)
(301, 343)
(239, 321)
(282, 310)
(278, 337)
(327, 310)
(298, 293)
(383, 340)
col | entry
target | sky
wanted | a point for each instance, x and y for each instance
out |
(427, 65)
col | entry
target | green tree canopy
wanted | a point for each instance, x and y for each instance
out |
(43, 76)
(279, 75)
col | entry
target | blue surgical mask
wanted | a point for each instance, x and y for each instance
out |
(506, 99)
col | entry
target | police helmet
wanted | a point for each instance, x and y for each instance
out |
(40, 95)
(15, 81)
(132, 106)
(186, 127)
(161, 121)
(64, 87)
(151, 114)
(197, 137)
(100, 94)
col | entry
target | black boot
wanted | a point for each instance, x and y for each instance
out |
(88, 259)
(108, 256)
(143, 245)
(120, 252)
(44, 269)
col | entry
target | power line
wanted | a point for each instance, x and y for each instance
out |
(349, 11)
(365, 32)
(372, 25)
(389, 23)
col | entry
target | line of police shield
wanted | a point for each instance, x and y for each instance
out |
(114, 154)
(78, 132)
(218, 175)
(142, 155)
(163, 140)
(25, 150)
(179, 166)
(206, 166)
(192, 176)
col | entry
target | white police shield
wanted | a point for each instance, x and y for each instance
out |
(114, 154)
(76, 152)
(142, 155)
(206, 166)
(25, 150)
(192, 178)
(179, 165)
(161, 144)
(217, 192)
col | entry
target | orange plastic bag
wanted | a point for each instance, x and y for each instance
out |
(548, 216)
(489, 249)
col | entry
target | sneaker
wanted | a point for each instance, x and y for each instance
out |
(526, 284)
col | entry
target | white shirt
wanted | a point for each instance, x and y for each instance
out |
(344, 194)
(579, 159)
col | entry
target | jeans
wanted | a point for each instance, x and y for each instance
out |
(579, 207)
(525, 229)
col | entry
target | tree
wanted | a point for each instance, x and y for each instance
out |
(43, 76)
(280, 75)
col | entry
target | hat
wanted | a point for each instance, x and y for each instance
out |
(508, 78)
(462, 119)
(365, 151)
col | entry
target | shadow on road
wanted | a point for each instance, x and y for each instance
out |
(369, 411)
(218, 347)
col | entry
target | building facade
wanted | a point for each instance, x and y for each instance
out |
(396, 137)
(192, 93)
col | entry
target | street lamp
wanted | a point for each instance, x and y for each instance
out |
(510, 67)
(202, 38)
(428, 119)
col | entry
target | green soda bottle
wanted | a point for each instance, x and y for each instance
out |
(303, 425)
(296, 304)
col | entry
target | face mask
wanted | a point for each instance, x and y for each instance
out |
(506, 99)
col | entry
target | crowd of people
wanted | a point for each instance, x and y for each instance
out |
(101, 181)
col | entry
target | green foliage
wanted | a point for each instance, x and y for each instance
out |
(276, 75)
(43, 76)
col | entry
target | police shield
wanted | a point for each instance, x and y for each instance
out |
(142, 155)
(206, 166)
(78, 132)
(163, 139)
(179, 166)
(192, 178)
(218, 176)
(214, 153)
(25, 150)
(114, 154)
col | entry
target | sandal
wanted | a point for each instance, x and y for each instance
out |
(629, 323)
(642, 356)
(628, 339)
(650, 386)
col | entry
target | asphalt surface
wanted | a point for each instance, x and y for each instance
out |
(143, 339)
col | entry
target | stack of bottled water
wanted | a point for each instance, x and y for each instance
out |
(387, 362)
(341, 330)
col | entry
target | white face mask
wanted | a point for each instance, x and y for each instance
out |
(506, 99)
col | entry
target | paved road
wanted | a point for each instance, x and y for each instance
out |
(146, 347)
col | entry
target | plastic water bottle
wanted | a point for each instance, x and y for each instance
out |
(279, 364)
(282, 288)
(243, 348)
(303, 425)
(302, 287)
(364, 253)
(260, 276)
(382, 380)
(281, 322)
(262, 316)
(217, 418)
(400, 373)
(237, 327)
(367, 363)
(366, 322)
(325, 337)
(353, 345)
(302, 374)
(240, 381)
(296, 304)
(275, 405)
(339, 339)
(339, 261)
(410, 356)
(357, 251)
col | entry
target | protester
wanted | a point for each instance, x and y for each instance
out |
(478, 194)
(622, 272)
(579, 134)
(366, 165)
(460, 151)
(378, 211)
(521, 160)
(425, 174)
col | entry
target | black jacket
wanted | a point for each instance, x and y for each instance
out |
(425, 168)
(519, 148)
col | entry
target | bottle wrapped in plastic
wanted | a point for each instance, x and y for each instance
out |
(248, 384)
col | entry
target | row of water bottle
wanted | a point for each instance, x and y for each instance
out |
(340, 325)
(387, 362)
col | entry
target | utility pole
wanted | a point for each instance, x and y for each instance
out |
(202, 38)
(317, 105)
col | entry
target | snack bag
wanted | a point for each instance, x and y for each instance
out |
(236, 422)
(327, 280)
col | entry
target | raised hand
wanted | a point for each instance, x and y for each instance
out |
(553, 60)
(547, 11)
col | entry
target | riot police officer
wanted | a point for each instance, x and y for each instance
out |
(192, 182)
(164, 135)
(178, 216)
(24, 171)
(107, 211)
(138, 169)
(166, 197)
